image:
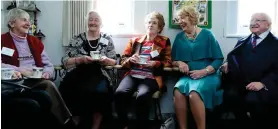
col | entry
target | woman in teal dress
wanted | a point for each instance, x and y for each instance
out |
(198, 55)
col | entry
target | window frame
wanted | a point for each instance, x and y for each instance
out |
(133, 25)
(232, 20)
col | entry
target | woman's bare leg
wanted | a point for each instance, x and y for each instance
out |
(181, 109)
(198, 109)
(97, 117)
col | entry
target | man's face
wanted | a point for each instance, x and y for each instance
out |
(258, 24)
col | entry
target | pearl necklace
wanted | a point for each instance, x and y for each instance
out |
(90, 43)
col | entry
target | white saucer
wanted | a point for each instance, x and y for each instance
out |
(8, 79)
(35, 77)
(143, 63)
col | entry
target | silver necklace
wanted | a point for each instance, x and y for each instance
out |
(194, 35)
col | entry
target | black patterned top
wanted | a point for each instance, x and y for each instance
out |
(80, 46)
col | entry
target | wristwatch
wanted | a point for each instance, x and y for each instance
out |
(207, 70)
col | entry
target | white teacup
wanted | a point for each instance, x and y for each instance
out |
(37, 72)
(143, 59)
(7, 73)
(95, 55)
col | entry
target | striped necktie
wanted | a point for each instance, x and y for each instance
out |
(254, 41)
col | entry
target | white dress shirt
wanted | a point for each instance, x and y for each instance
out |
(262, 36)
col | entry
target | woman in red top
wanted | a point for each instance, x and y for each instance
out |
(143, 77)
(21, 52)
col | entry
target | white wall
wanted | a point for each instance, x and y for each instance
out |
(219, 26)
(50, 22)
(4, 5)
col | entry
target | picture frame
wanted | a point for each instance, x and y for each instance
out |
(203, 6)
(26, 4)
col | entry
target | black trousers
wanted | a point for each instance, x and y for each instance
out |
(30, 109)
(124, 93)
(59, 108)
(86, 98)
(262, 115)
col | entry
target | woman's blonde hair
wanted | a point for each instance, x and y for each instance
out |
(191, 12)
(159, 17)
(16, 13)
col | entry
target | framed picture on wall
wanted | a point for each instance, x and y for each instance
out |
(202, 6)
(26, 4)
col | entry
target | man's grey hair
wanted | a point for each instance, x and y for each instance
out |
(266, 16)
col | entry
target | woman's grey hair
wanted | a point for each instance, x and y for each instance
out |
(191, 12)
(94, 12)
(159, 17)
(16, 13)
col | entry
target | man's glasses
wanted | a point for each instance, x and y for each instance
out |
(257, 20)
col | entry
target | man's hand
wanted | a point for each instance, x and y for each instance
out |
(255, 86)
(224, 67)
(46, 75)
(196, 74)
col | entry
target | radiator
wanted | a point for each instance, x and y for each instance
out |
(74, 19)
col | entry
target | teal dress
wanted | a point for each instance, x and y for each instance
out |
(198, 54)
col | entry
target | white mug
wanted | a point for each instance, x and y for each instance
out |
(37, 72)
(95, 55)
(7, 73)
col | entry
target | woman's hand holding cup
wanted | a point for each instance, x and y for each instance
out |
(25, 72)
(134, 59)
(46, 75)
(85, 60)
(16, 75)
(149, 64)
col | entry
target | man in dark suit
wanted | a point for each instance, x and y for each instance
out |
(251, 75)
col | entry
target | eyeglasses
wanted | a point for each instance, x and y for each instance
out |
(257, 20)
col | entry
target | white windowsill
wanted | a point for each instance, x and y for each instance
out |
(245, 35)
(127, 35)
(235, 35)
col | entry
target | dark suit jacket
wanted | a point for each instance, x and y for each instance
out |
(262, 68)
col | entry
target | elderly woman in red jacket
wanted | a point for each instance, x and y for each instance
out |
(22, 52)
(144, 77)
